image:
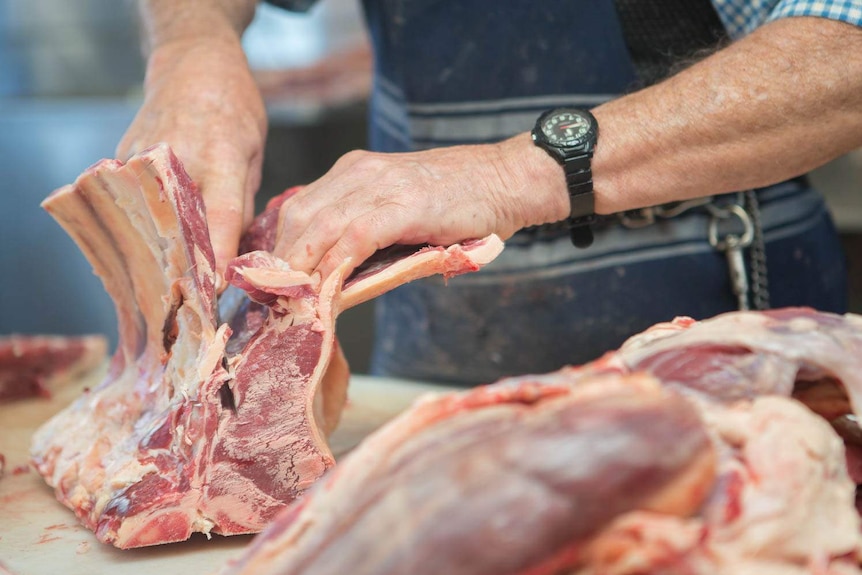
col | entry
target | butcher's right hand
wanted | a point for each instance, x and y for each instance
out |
(201, 99)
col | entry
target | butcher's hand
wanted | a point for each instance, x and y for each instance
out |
(201, 99)
(369, 201)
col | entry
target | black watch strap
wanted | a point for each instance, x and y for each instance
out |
(569, 136)
(579, 180)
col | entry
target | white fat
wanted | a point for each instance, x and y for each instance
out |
(802, 324)
(203, 525)
(131, 473)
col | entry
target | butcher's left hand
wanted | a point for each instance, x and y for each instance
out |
(369, 201)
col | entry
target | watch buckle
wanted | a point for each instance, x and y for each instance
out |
(582, 236)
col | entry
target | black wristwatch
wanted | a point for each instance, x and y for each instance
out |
(569, 135)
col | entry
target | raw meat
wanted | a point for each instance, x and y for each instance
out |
(743, 355)
(782, 503)
(200, 425)
(34, 365)
(815, 357)
(500, 480)
(558, 473)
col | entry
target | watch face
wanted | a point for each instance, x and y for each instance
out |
(566, 128)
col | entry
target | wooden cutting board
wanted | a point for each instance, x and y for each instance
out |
(39, 536)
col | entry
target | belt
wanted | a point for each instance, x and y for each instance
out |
(748, 275)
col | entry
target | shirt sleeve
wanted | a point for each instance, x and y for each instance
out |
(849, 11)
(292, 5)
(741, 17)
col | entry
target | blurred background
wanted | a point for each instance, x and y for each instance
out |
(70, 83)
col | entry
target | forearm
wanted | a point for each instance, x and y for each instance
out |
(171, 20)
(200, 97)
(772, 106)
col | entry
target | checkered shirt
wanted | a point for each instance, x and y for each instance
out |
(742, 16)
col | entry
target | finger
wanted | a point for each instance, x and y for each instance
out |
(252, 185)
(312, 220)
(302, 210)
(125, 150)
(363, 237)
(319, 234)
(129, 144)
(294, 215)
(224, 194)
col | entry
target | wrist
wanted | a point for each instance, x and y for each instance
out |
(542, 181)
(168, 22)
(612, 169)
(223, 52)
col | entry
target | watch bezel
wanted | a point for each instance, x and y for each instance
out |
(585, 144)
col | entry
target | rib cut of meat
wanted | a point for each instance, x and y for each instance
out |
(34, 365)
(201, 425)
(682, 453)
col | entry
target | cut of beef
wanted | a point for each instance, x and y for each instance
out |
(34, 365)
(605, 468)
(202, 426)
(782, 504)
(743, 355)
(500, 480)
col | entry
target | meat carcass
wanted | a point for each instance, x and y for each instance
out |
(201, 425)
(604, 468)
(743, 355)
(34, 365)
(782, 504)
(500, 480)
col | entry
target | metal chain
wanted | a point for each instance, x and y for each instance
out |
(748, 282)
(634, 219)
(747, 210)
(757, 255)
(733, 245)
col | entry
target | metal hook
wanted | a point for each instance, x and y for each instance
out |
(737, 241)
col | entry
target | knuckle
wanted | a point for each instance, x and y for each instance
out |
(370, 163)
(376, 230)
(350, 158)
(359, 229)
(328, 223)
(293, 209)
(289, 217)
